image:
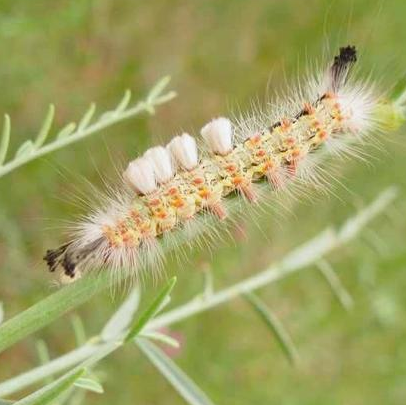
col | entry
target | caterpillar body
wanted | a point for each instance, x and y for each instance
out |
(168, 187)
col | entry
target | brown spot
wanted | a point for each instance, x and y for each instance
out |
(198, 181)
(231, 168)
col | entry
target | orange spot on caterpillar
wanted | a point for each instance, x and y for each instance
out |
(134, 214)
(261, 153)
(254, 140)
(160, 213)
(315, 124)
(172, 191)
(285, 124)
(231, 168)
(296, 153)
(154, 202)
(178, 202)
(204, 193)
(237, 180)
(290, 141)
(198, 181)
(145, 229)
(322, 134)
(130, 238)
(268, 165)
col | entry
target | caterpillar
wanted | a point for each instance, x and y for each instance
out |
(168, 187)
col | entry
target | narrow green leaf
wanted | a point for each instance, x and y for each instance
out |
(335, 284)
(50, 308)
(5, 138)
(85, 120)
(158, 89)
(124, 102)
(151, 311)
(162, 305)
(165, 98)
(122, 318)
(50, 392)
(46, 126)
(160, 337)
(79, 329)
(106, 120)
(43, 355)
(25, 149)
(89, 384)
(1, 313)
(66, 131)
(5, 402)
(175, 376)
(275, 326)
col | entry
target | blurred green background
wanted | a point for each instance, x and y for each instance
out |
(220, 54)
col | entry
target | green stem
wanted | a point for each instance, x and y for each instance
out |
(305, 255)
(301, 257)
(49, 309)
(112, 118)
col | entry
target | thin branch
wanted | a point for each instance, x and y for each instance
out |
(335, 284)
(275, 325)
(30, 150)
(301, 257)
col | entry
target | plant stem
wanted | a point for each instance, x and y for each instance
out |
(301, 257)
(115, 117)
(49, 309)
(52, 307)
(53, 367)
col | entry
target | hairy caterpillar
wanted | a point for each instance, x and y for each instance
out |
(168, 187)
